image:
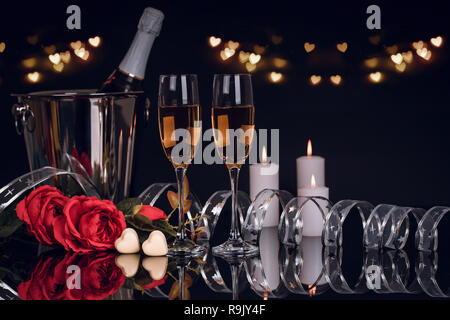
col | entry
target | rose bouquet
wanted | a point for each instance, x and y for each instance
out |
(86, 224)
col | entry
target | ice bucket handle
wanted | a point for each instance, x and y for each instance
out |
(23, 117)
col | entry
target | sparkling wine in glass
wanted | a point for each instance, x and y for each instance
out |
(233, 121)
(179, 117)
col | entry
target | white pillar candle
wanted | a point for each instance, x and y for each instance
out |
(311, 251)
(311, 183)
(265, 175)
(309, 165)
(311, 215)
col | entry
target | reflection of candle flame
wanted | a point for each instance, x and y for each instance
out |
(266, 295)
(312, 290)
(313, 181)
(264, 155)
(309, 149)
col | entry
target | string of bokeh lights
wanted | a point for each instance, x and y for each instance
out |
(252, 61)
(57, 60)
(392, 59)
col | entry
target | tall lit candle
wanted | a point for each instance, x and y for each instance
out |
(265, 175)
(311, 183)
(309, 165)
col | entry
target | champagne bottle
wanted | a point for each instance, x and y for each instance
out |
(131, 71)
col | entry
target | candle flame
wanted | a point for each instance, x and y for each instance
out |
(309, 148)
(264, 155)
(312, 290)
(313, 181)
(266, 295)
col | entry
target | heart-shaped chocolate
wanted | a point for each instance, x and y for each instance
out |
(128, 242)
(128, 263)
(155, 245)
(156, 267)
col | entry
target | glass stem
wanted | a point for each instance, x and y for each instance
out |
(181, 232)
(235, 280)
(181, 277)
(234, 177)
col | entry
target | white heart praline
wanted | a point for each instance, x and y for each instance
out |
(155, 245)
(128, 263)
(128, 242)
(156, 267)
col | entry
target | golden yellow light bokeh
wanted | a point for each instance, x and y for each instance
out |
(342, 47)
(58, 67)
(371, 63)
(397, 58)
(95, 41)
(315, 79)
(33, 76)
(309, 47)
(29, 63)
(376, 76)
(400, 67)
(213, 41)
(336, 80)
(232, 45)
(275, 76)
(54, 58)
(279, 62)
(254, 58)
(437, 41)
(250, 67)
(407, 56)
(2, 47)
(65, 56)
(243, 56)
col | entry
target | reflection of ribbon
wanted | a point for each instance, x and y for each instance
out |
(332, 257)
(426, 268)
(16, 188)
(389, 272)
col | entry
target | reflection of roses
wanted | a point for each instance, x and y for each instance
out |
(89, 224)
(83, 161)
(155, 283)
(99, 277)
(41, 210)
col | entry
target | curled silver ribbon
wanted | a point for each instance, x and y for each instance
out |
(18, 187)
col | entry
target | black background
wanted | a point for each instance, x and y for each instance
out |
(385, 143)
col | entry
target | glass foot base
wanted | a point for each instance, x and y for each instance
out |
(185, 249)
(235, 248)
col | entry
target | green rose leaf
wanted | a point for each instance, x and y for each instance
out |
(9, 223)
(127, 206)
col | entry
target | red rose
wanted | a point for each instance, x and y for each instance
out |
(89, 224)
(40, 211)
(152, 213)
(99, 277)
(155, 283)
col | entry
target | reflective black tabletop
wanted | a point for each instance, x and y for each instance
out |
(308, 271)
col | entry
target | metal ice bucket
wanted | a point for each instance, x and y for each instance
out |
(81, 131)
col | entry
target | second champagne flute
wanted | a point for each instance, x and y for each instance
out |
(233, 121)
(179, 116)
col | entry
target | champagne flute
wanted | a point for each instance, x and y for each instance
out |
(233, 121)
(179, 116)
